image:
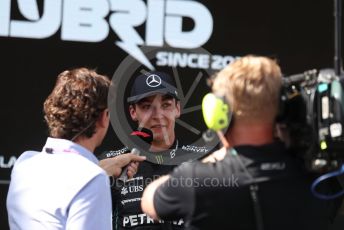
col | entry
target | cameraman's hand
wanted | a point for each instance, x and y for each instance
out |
(113, 166)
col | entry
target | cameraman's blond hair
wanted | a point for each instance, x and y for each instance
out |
(252, 85)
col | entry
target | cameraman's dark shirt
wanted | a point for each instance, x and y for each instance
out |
(213, 195)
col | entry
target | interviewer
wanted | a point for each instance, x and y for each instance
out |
(62, 187)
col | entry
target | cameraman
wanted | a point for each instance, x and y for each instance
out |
(252, 182)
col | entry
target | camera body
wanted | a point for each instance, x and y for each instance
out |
(312, 118)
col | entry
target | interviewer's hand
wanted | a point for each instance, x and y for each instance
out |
(218, 155)
(113, 166)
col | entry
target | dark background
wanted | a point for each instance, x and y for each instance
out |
(298, 33)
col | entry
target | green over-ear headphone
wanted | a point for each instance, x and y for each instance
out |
(216, 111)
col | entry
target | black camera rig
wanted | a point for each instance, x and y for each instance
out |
(312, 112)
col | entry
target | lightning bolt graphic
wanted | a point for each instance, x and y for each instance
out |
(136, 52)
(124, 21)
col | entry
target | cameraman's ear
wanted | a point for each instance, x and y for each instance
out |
(282, 133)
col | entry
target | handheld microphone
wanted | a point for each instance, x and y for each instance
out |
(136, 136)
(124, 177)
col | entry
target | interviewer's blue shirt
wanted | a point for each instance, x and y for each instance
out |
(61, 187)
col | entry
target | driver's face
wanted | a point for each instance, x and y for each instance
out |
(157, 113)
